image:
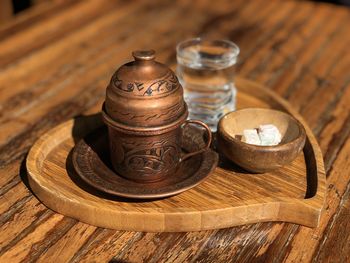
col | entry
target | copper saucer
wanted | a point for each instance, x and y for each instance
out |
(91, 161)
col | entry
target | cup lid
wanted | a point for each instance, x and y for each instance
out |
(144, 93)
(144, 77)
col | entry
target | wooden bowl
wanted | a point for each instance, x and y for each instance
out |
(254, 158)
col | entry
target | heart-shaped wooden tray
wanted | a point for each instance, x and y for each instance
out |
(228, 197)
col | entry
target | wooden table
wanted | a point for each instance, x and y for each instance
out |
(56, 62)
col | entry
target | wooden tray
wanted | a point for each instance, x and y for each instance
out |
(229, 197)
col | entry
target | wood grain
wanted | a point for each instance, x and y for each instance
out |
(6, 11)
(296, 48)
(227, 198)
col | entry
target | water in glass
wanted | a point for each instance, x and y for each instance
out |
(206, 72)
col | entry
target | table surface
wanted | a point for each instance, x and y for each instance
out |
(56, 61)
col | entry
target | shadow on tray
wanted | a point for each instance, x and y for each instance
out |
(91, 123)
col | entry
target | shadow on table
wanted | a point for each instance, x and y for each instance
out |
(23, 174)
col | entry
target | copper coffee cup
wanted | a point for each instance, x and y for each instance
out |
(145, 112)
(149, 156)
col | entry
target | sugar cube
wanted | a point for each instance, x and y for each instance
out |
(269, 135)
(251, 136)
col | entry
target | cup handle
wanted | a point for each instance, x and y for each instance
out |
(206, 147)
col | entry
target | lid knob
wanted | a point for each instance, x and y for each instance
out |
(144, 55)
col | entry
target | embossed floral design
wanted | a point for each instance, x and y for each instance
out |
(148, 158)
(153, 160)
(167, 84)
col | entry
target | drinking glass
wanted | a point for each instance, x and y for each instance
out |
(206, 70)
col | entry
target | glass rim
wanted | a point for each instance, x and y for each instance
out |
(230, 54)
